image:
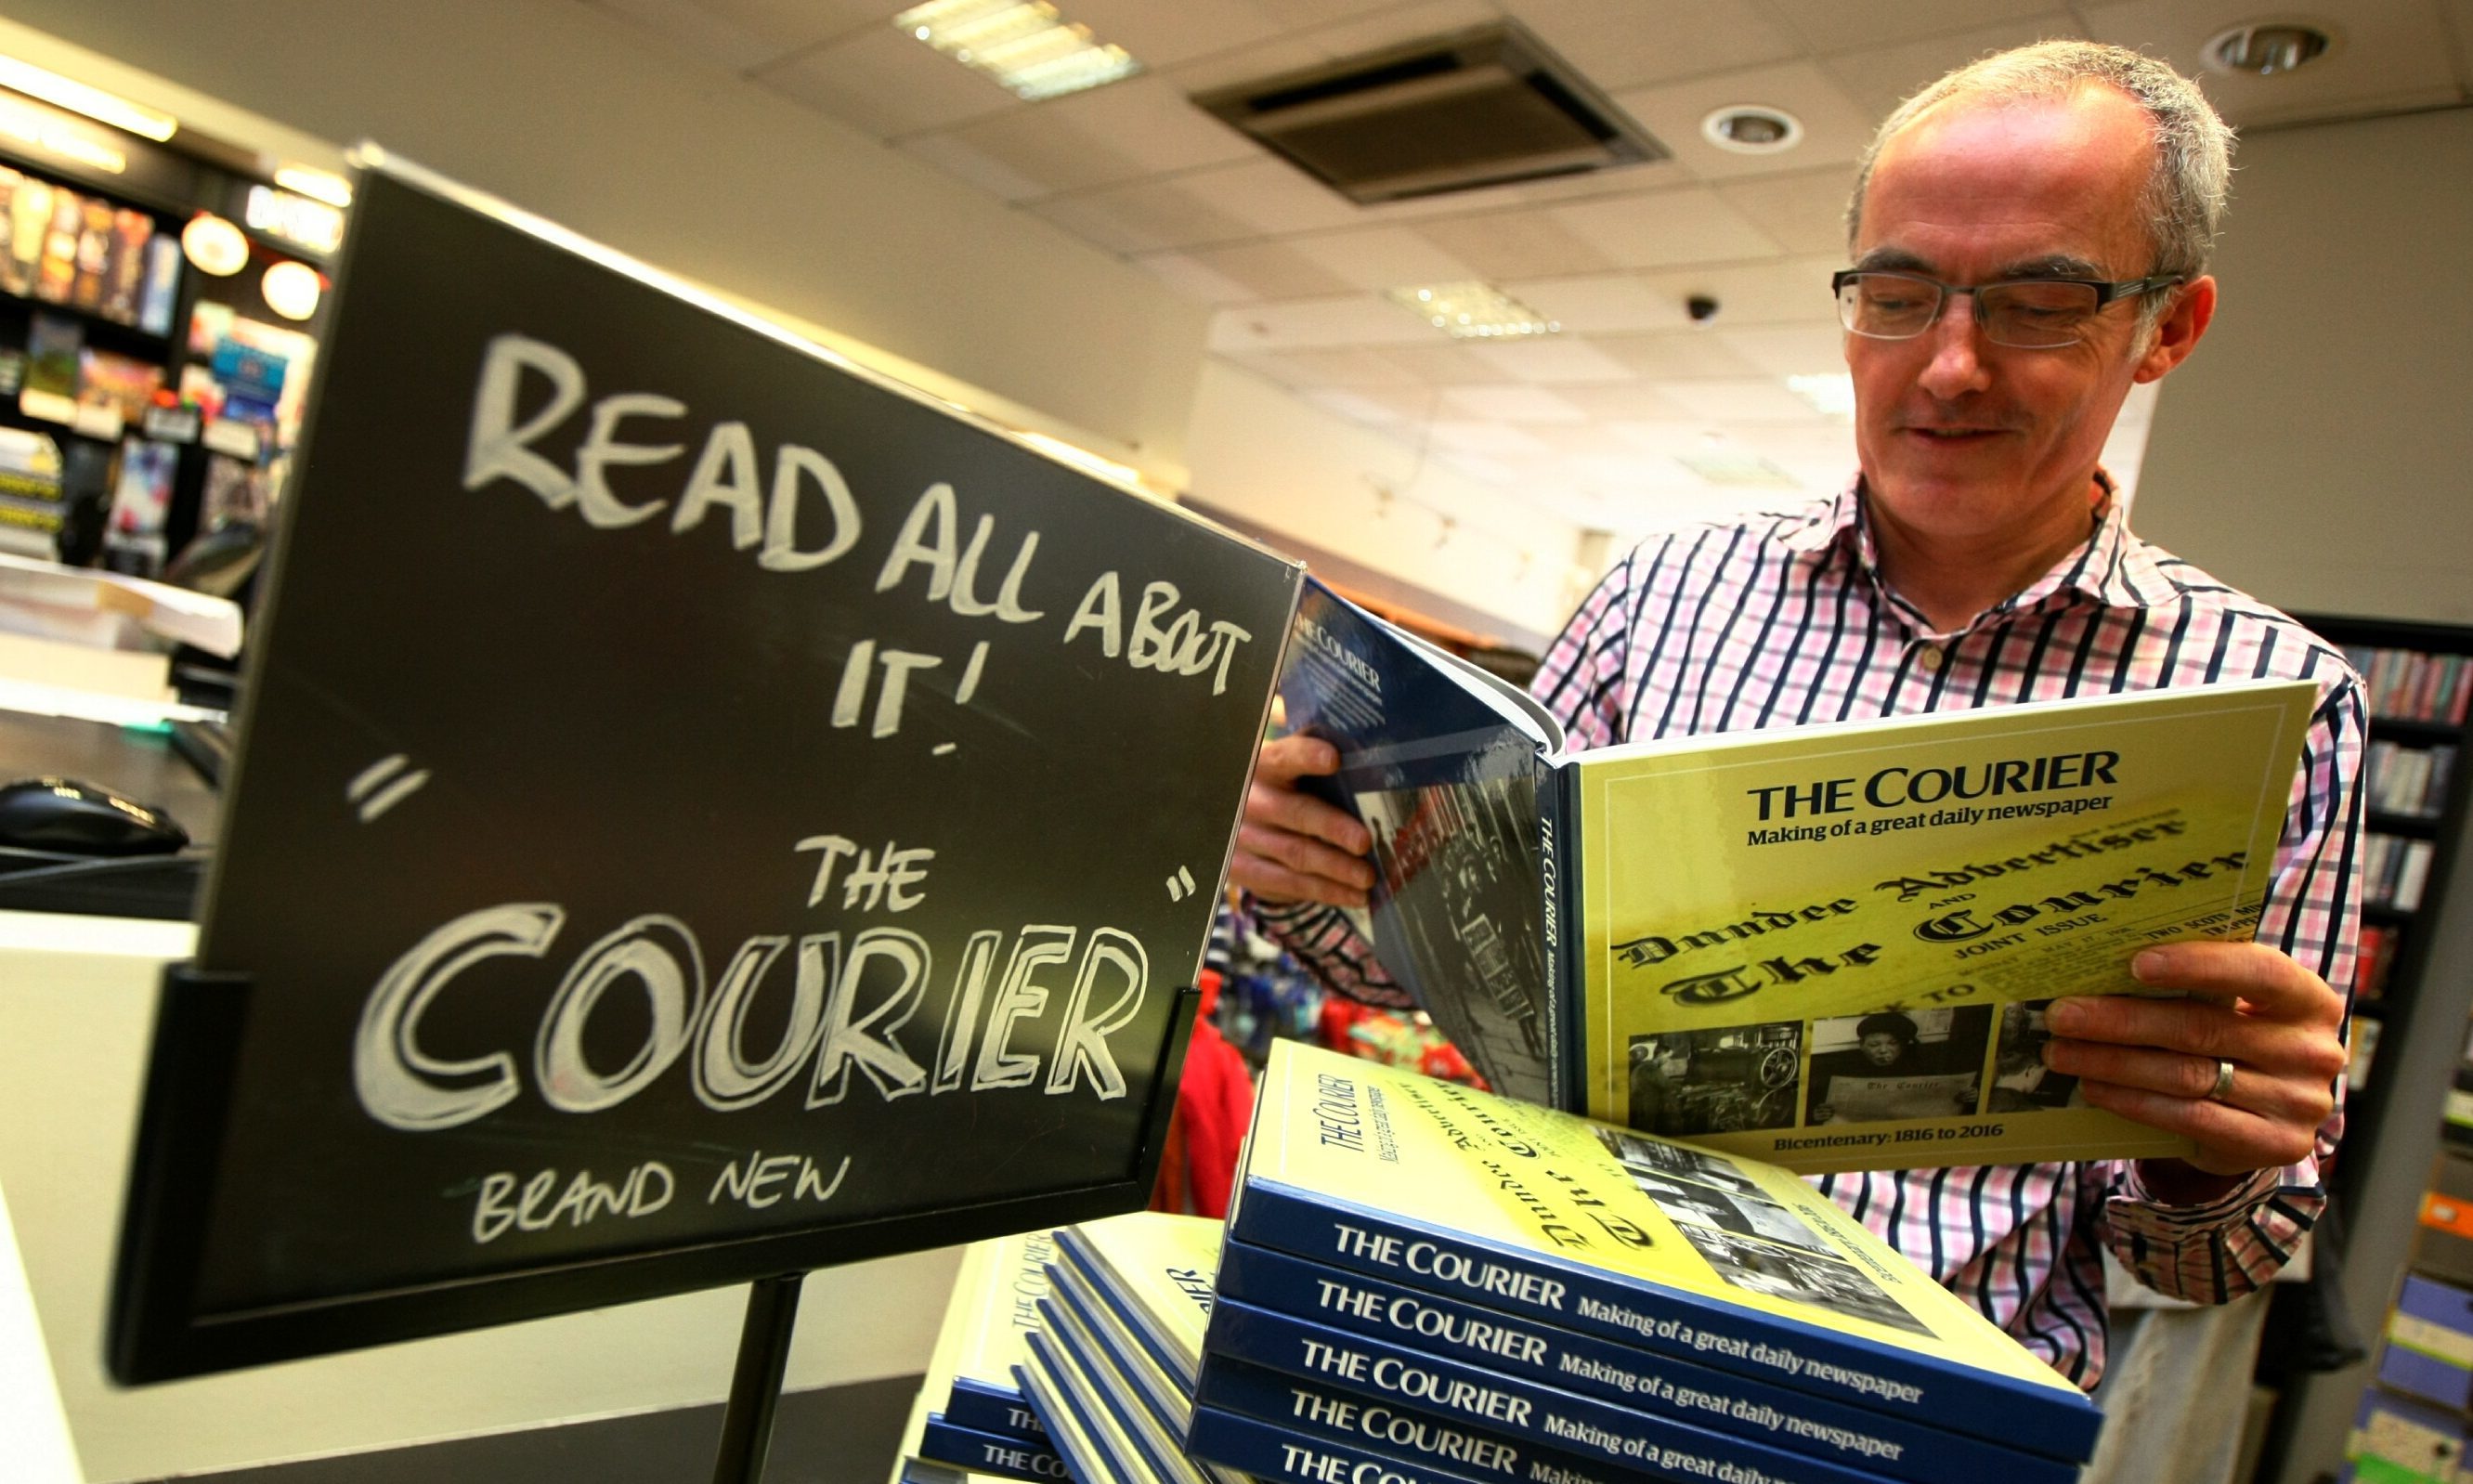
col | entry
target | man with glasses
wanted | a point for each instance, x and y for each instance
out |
(2029, 239)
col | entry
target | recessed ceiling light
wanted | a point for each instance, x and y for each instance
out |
(1024, 44)
(1752, 128)
(1471, 310)
(93, 102)
(2266, 49)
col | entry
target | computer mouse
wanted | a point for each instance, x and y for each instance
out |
(70, 817)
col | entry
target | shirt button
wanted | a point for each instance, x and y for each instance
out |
(1929, 658)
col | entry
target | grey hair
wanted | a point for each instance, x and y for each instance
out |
(2184, 199)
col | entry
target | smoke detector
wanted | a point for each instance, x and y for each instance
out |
(1477, 107)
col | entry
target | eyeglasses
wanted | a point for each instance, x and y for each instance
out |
(2023, 314)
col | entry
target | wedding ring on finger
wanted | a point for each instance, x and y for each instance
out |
(2223, 1081)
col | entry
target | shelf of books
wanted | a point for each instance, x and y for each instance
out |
(2419, 679)
(149, 381)
(2415, 1415)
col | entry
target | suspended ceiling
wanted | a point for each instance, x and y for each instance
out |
(1595, 424)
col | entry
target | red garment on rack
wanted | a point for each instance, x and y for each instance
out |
(1214, 1102)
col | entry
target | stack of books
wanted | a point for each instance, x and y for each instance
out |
(1427, 1281)
(971, 1418)
(1114, 1365)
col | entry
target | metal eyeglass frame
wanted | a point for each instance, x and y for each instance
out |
(2105, 293)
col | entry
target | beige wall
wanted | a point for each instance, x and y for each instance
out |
(2318, 449)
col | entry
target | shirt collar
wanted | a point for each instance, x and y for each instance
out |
(2112, 566)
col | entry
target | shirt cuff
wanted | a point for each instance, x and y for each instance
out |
(2135, 1208)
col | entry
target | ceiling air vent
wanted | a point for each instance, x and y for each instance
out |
(1476, 107)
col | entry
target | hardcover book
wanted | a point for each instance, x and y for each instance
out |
(1680, 1252)
(1828, 946)
(1620, 1376)
(1092, 1450)
(1153, 1271)
(994, 1311)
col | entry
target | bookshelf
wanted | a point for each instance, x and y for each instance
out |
(2412, 989)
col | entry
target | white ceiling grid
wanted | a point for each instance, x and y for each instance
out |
(1591, 424)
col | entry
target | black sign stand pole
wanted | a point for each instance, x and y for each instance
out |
(755, 1386)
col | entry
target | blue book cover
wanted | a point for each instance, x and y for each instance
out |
(1626, 1376)
(1004, 1454)
(1408, 1436)
(1166, 1398)
(1587, 1227)
(1542, 1416)
(1268, 1451)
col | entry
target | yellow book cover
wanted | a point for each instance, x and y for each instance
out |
(1831, 948)
(1594, 1227)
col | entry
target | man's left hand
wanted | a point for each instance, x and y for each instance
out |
(2157, 1060)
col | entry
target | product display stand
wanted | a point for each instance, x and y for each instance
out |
(755, 1386)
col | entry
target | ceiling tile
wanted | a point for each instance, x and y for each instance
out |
(1143, 217)
(1619, 46)
(1834, 26)
(951, 154)
(1162, 36)
(1355, 408)
(1511, 404)
(2393, 53)
(1879, 78)
(1502, 245)
(1553, 360)
(1269, 196)
(1246, 64)
(1275, 270)
(1376, 30)
(1495, 438)
(1693, 354)
(1383, 257)
(1351, 367)
(1356, 319)
(1619, 401)
(1193, 280)
(747, 33)
(1805, 214)
(1689, 225)
(1443, 363)
(1834, 126)
(1789, 349)
(1601, 303)
(1756, 399)
(887, 85)
(1149, 123)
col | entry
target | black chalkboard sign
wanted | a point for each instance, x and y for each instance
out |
(701, 813)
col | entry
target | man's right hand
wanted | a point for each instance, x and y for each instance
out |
(1293, 846)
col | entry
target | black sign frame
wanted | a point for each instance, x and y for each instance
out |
(165, 1322)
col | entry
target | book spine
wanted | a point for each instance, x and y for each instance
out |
(1401, 1433)
(1879, 1378)
(982, 1409)
(1625, 1375)
(1263, 1451)
(1538, 1414)
(988, 1452)
(1559, 868)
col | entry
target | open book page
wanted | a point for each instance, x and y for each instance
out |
(1832, 947)
(1442, 763)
